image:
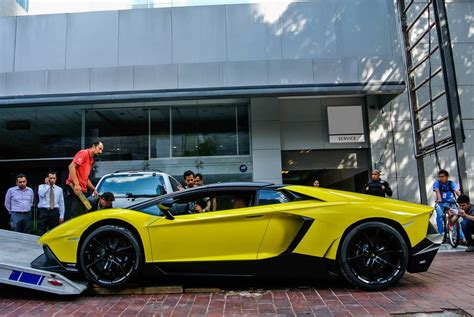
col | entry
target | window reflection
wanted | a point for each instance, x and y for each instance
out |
(160, 132)
(124, 132)
(128, 133)
(243, 129)
(204, 131)
(39, 132)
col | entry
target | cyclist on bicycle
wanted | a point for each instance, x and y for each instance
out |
(446, 191)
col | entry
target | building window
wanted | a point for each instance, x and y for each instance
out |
(39, 132)
(205, 131)
(124, 132)
(160, 132)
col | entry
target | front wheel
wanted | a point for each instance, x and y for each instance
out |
(110, 256)
(453, 232)
(373, 256)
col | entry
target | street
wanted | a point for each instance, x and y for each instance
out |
(448, 287)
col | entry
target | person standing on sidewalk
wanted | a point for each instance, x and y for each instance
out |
(467, 213)
(78, 181)
(50, 205)
(377, 186)
(18, 202)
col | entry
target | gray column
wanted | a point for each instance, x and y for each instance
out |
(266, 144)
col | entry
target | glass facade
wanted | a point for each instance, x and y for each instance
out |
(134, 132)
(124, 130)
(39, 132)
(204, 131)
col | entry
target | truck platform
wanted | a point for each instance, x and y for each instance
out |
(17, 251)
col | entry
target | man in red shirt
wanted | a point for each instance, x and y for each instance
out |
(78, 179)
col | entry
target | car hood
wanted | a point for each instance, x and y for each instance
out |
(333, 195)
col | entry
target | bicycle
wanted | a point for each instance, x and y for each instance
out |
(451, 229)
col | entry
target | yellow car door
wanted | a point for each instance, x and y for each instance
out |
(229, 234)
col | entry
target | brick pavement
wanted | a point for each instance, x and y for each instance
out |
(433, 291)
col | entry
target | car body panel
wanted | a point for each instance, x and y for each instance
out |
(224, 235)
(282, 230)
(64, 239)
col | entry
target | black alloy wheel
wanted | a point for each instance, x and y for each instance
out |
(373, 256)
(110, 256)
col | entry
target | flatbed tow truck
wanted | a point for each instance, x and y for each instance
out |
(17, 252)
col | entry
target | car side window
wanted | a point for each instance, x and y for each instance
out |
(175, 185)
(211, 202)
(152, 210)
(270, 196)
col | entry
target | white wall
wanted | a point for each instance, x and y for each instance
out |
(266, 143)
(10, 8)
(304, 42)
(461, 26)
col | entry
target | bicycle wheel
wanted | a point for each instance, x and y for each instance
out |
(453, 233)
(445, 227)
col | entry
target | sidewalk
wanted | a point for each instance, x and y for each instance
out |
(433, 291)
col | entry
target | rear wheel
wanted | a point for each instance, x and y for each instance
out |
(110, 256)
(373, 256)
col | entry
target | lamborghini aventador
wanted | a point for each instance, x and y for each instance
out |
(248, 229)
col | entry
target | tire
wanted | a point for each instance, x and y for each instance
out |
(453, 233)
(110, 256)
(373, 256)
(445, 228)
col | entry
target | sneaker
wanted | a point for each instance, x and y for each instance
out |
(470, 248)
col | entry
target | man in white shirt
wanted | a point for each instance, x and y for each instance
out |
(50, 205)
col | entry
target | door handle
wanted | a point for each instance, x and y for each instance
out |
(254, 216)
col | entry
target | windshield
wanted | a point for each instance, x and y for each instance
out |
(133, 185)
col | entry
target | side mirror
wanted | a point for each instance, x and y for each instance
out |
(165, 206)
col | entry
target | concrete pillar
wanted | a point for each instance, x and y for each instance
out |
(266, 143)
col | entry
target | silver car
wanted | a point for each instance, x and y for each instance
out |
(130, 188)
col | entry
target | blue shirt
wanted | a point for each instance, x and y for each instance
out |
(446, 191)
(17, 200)
(43, 194)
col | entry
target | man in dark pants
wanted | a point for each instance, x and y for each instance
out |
(18, 202)
(78, 180)
(467, 213)
(50, 205)
(377, 186)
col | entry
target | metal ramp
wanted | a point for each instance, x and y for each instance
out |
(432, 86)
(17, 251)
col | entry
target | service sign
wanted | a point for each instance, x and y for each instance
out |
(350, 138)
(346, 124)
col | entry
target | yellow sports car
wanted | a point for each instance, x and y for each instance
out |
(248, 229)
